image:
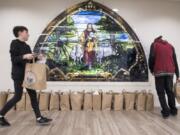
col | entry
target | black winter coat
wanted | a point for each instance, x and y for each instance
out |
(17, 50)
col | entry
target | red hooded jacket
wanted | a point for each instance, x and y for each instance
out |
(162, 60)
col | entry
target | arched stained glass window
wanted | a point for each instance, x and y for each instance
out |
(90, 42)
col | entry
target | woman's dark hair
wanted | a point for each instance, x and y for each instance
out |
(91, 27)
(18, 29)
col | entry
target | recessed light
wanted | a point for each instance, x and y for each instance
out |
(115, 9)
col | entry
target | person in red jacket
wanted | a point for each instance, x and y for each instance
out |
(163, 65)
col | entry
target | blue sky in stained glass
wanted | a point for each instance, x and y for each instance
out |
(85, 17)
(97, 13)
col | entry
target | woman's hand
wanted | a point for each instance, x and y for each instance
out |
(178, 80)
(40, 57)
(29, 56)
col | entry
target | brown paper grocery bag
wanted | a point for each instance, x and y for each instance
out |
(10, 96)
(47, 72)
(21, 105)
(177, 92)
(129, 100)
(3, 98)
(106, 101)
(35, 76)
(97, 100)
(118, 101)
(44, 99)
(54, 101)
(141, 101)
(88, 101)
(150, 102)
(64, 101)
(76, 99)
(28, 101)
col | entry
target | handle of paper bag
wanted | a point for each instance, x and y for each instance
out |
(33, 60)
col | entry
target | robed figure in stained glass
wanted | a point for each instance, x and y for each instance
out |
(88, 41)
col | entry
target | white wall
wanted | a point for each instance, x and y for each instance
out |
(148, 18)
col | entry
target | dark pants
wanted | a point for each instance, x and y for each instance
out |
(17, 97)
(164, 84)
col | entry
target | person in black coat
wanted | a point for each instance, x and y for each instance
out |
(20, 55)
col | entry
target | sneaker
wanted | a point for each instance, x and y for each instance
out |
(43, 121)
(48, 119)
(4, 122)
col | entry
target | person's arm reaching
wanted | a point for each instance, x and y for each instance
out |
(176, 64)
(151, 59)
(16, 57)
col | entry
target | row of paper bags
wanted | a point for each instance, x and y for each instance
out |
(97, 100)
